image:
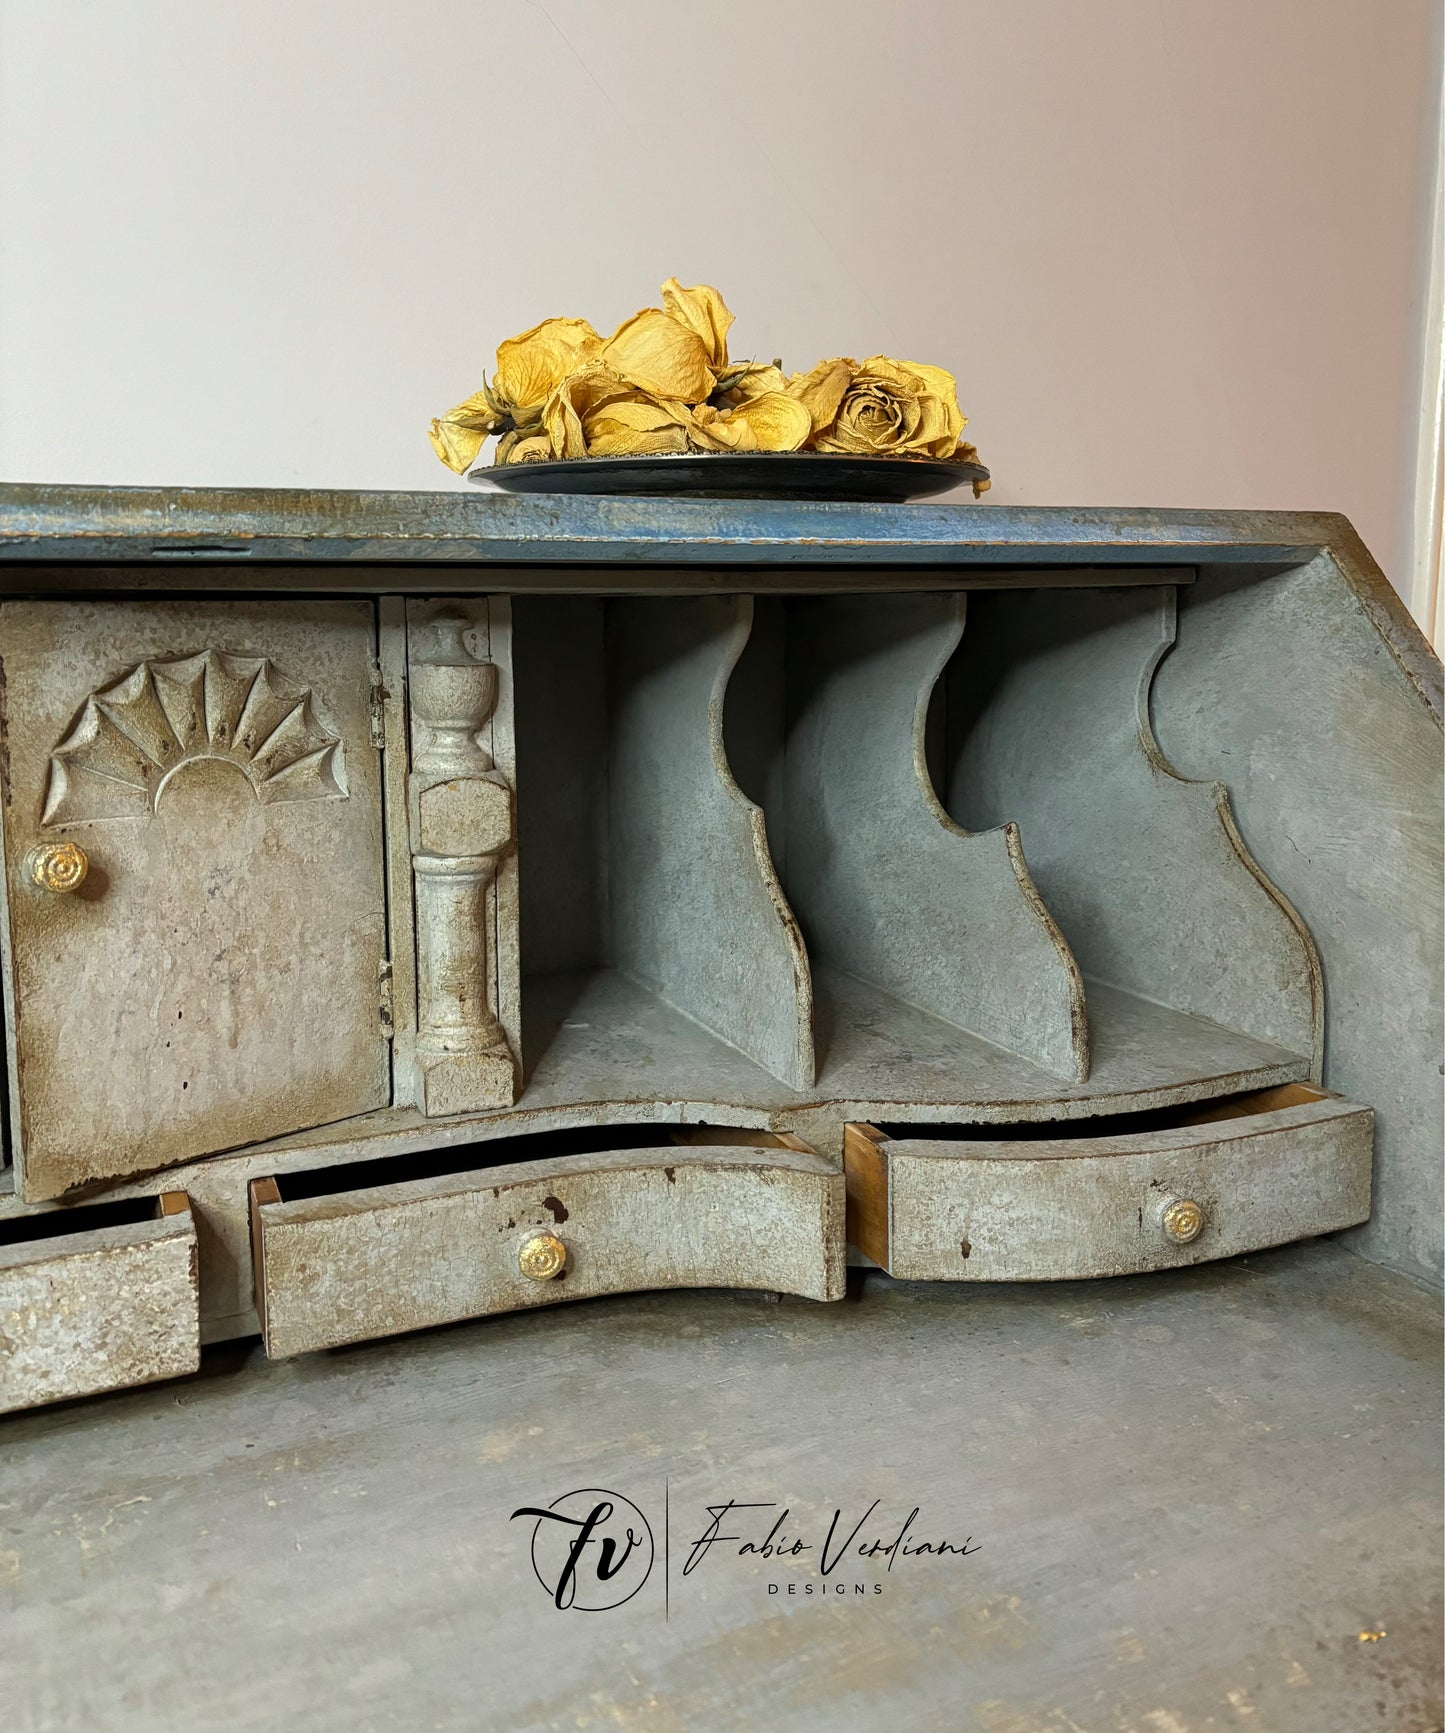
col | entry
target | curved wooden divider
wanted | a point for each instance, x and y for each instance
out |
(697, 909)
(1145, 869)
(887, 886)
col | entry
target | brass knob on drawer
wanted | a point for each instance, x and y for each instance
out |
(57, 866)
(1182, 1221)
(542, 1257)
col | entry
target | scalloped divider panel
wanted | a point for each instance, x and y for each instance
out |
(1048, 722)
(696, 907)
(887, 887)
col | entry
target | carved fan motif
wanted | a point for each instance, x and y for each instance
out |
(131, 737)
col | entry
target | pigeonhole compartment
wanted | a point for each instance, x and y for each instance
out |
(344, 1256)
(1107, 1198)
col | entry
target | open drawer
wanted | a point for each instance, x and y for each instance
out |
(687, 1207)
(96, 1298)
(1145, 1192)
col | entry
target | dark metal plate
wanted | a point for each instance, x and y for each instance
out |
(728, 475)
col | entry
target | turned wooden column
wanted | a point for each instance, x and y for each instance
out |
(460, 814)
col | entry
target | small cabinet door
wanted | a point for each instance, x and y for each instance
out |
(196, 920)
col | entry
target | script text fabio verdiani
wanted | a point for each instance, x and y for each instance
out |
(739, 1525)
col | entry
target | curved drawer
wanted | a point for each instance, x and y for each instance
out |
(346, 1266)
(97, 1298)
(1284, 1164)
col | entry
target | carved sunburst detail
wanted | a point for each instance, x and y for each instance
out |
(131, 737)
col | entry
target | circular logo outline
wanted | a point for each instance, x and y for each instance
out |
(616, 1499)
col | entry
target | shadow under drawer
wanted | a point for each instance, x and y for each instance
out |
(705, 1210)
(1143, 1192)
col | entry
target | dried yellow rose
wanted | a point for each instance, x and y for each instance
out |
(885, 408)
(597, 413)
(518, 447)
(529, 370)
(576, 398)
(771, 421)
(663, 383)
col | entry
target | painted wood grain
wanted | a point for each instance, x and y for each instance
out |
(99, 1310)
(696, 907)
(216, 978)
(1042, 1210)
(1145, 869)
(347, 1267)
(887, 887)
(1299, 690)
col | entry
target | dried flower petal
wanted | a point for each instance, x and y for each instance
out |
(661, 355)
(532, 366)
(821, 391)
(770, 422)
(703, 310)
(595, 412)
(458, 435)
(751, 379)
(575, 397)
(775, 421)
(637, 427)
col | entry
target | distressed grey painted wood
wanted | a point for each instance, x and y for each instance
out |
(1189, 1493)
(1295, 690)
(461, 819)
(559, 668)
(755, 721)
(197, 526)
(696, 906)
(401, 908)
(217, 977)
(1048, 718)
(155, 573)
(961, 1211)
(1349, 593)
(608, 1052)
(360, 1264)
(504, 892)
(98, 1310)
(886, 886)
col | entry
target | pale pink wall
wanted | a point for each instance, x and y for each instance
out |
(1173, 248)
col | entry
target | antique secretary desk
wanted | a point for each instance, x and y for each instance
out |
(425, 906)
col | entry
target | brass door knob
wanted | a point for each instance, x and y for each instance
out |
(542, 1258)
(1182, 1221)
(57, 866)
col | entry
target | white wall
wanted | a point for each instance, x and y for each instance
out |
(1173, 248)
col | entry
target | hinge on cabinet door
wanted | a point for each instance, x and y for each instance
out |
(384, 1004)
(378, 708)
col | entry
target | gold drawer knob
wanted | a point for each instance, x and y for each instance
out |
(1182, 1221)
(57, 866)
(542, 1257)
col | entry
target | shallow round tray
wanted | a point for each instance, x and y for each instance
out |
(728, 475)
